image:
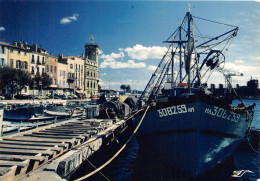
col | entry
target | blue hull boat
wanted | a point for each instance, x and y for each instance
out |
(195, 136)
(179, 116)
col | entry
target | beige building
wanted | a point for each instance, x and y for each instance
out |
(37, 60)
(70, 74)
(51, 68)
(91, 69)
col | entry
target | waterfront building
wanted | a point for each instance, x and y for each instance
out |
(91, 69)
(37, 60)
(75, 73)
(62, 76)
(3, 54)
(70, 74)
(51, 68)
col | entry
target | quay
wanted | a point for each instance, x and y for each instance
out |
(55, 151)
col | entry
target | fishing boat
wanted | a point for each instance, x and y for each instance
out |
(178, 115)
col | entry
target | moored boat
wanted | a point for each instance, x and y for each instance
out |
(178, 116)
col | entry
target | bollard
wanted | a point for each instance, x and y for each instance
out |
(1, 122)
(19, 128)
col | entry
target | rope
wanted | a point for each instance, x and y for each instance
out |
(118, 152)
(96, 168)
(107, 114)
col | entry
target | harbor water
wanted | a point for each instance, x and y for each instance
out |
(143, 164)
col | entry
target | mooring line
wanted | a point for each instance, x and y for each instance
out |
(118, 152)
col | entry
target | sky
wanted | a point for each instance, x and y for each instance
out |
(130, 33)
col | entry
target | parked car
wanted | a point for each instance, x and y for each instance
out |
(23, 96)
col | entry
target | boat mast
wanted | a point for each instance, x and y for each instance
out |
(180, 44)
(189, 21)
(172, 61)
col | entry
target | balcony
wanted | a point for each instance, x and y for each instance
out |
(71, 77)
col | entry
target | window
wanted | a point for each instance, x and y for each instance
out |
(32, 58)
(42, 70)
(42, 60)
(71, 66)
(51, 68)
(19, 51)
(24, 53)
(38, 70)
(2, 61)
(55, 69)
(18, 64)
(63, 73)
(47, 68)
(11, 50)
(32, 72)
(22, 65)
(55, 81)
(25, 65)
(12, 63)
(38, 59)
(60, 73)
(3, 49)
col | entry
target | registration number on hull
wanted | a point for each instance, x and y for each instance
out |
(179, 109)
(222, 113)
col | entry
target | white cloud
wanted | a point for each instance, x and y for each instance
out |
(69, 19)
(112, 56)
(152, 67)
(103, 74)
(2, 28)
(239, 61)
(120, 65)
(100, 52)
(139, 52)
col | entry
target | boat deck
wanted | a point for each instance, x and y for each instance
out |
(24, 152)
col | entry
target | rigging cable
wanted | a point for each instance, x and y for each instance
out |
(214, 21)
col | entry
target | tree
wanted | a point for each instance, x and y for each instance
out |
(13, 80)
(125, 87)
(41, 81)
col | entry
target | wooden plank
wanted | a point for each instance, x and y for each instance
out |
(30, 147)
(29, 143)
(54, 137)
(25, 152)
(14, 163)
(50, 140)
(57, 134)
(21, 157)
(64, 131)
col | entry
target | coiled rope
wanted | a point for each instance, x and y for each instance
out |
(119, 151)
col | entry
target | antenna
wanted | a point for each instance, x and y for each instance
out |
(92, 39)
(189, 6)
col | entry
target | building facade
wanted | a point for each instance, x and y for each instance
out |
(91, 69)
(70, 74)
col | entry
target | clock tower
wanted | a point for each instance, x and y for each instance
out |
(91, 50)
(91, 68)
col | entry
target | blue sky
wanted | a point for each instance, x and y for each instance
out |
(130, 33)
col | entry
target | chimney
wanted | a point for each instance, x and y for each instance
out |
(25, 45)
(34, 47)
(15, 43)
(20, 44)
(60, 56)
